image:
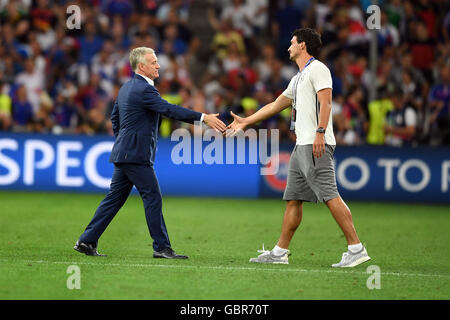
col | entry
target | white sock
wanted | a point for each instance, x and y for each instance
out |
(355, 247)
(278, 251)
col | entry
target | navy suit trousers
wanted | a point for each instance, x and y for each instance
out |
(124, 177)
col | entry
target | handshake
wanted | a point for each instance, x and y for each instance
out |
(213, 121)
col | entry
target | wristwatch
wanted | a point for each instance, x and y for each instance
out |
(320, 130)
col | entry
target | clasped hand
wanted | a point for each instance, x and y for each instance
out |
(214, 122)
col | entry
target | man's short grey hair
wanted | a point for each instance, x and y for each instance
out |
(137, 56)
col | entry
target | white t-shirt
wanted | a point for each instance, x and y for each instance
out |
(315, 77)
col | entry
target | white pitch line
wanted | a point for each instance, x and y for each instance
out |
(227, 268)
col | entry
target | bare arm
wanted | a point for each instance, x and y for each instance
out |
(324, 97)
(405, 132)
(269, 110)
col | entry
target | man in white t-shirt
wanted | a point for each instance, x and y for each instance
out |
(311, 175)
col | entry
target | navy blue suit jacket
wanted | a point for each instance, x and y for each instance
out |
(135, 120)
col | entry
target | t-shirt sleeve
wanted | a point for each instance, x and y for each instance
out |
(288, 92)
(321, 78)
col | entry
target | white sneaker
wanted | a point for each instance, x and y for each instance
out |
(267, 256)
(350, 259)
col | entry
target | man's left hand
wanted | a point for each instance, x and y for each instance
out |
(319, 145)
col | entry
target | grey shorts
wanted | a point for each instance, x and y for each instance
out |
(311, 179)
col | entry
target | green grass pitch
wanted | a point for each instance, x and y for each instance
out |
(408, 242)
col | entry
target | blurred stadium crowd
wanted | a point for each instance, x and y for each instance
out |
(56, 80)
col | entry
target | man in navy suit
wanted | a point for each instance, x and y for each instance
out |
(135, 120)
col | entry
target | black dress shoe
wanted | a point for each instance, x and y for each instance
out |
(168, 253)
(88, 249)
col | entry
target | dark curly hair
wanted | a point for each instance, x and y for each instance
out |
(311, 38)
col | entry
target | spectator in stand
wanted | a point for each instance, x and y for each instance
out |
(287, 18)
(396, 15)
(42, 17)
(286, 135)
(422, 47)
(411, 90)
(223, 37)
(355, 114)
(171, 35)
(34, 80)
(258, 13)
(446, 27)
(120, 40)
(439, 103)
(358, 70)
(5, 108)
(388, 35)
(86, 66)
(97, 124)
(343, 132)
(104, 64)
(336, 34)
(179, 7)
(263, 65)
(183, 29)
(427, 12)
(14, 12)
(401, 122)
(407, 65)
(144, 25)
(7, 68)
(383, 77)
(240, 17)
(64, 113)
(90, 42)
(276, 83)
(322, 10)
(176, 69)
(43, 122)
(9, 41)
(232, 60)
(358, 37)
(245, 71)
(88, 96)
(378, 109)
(119, 7)
(22, 110)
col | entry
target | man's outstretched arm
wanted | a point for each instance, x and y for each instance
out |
(269, 110)
(154, 102)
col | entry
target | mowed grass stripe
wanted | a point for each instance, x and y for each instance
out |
(409, 242)
(281, 269)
